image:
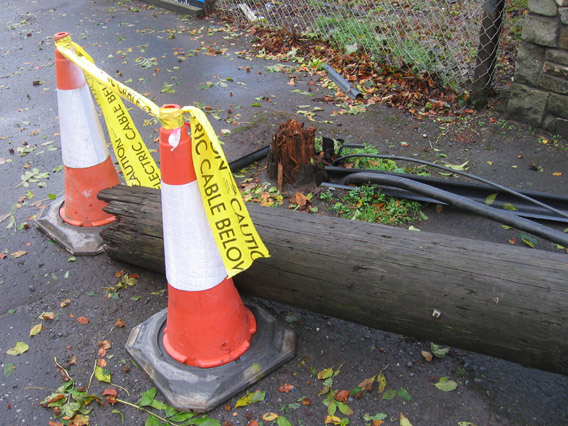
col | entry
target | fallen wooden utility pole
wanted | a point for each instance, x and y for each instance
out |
(505, 301)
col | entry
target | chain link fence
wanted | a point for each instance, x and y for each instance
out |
(453, 40)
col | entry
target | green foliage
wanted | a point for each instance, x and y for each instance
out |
(370, 163)
(68, 402)
(368, 204)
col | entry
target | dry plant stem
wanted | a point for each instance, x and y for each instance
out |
(145, 410)
(120, 387)
(91, 378)
(66, 373)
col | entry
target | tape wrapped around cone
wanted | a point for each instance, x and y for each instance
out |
(207, 322)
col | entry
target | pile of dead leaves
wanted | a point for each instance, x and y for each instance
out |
(419, 94)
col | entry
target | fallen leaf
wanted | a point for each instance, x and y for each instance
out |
(19, 349)
(110, 394)
(529, 241)
(367, 384)
(299, 199)
(269, 417)
(404, 420)
(382, 381)
(286, 387)
(557, 174)
(119, 323)
(306, 401)
(18, 253)
(344, 408)
(8, 369)
(325, 373)
(36, 329)
(445, 384)
(491, 199)
(457, 167)
(283, 421)
(101, 362)
(253, 423)
(102, 375)
(65, 303)
(83, 320)
(250, 398)
(342, 396)
(427, 355)
(377, 419)
(403, 393)
(79, 420)
(104, 344)
(332, 420)
(439, 351)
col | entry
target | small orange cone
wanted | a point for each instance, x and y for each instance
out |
(87, 164)
(71, 220)
(207, 322)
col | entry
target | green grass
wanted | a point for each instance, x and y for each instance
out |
(368, 204)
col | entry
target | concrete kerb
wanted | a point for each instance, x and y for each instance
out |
(202, 389)
(77, 240)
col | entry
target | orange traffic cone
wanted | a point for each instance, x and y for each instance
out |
(205, 347)
(207, 322)
(87, 164)
(88, 168)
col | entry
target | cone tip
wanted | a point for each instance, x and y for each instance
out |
(59, 36)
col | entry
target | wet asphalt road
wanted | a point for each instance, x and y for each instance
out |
(36, 275)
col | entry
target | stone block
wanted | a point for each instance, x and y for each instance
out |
(527, 104)
(540, 30)
(563, 37)
(530, 60)
(555, 70)
(556, 125)
(558, 105)
(554, 84)
(549, 123)
(543, 7)
(556, 55)
(563, 13)
(562, 127)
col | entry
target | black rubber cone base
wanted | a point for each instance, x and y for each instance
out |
(202, 389)
(77, 240)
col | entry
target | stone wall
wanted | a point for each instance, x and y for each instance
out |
(539, 94)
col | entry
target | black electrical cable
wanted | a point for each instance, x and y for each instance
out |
(239, 163)
(457, 172)
(501, 216)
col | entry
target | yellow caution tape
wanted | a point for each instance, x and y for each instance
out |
(235, 234)
(138, 166)
(232, 227)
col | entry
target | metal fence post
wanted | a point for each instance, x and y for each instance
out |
(489, 34)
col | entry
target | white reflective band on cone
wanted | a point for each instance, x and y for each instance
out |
(193, 262)
(82, 139)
